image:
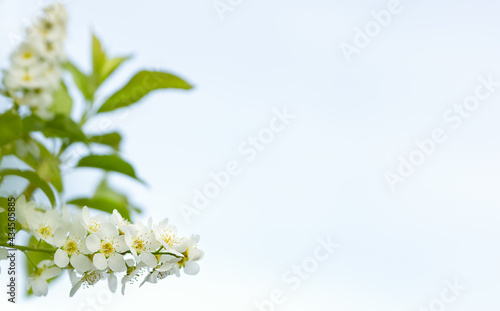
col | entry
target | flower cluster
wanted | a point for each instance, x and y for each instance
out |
(95, 248)
(36, 64)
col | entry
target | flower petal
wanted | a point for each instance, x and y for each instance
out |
(191, 268)
(100, 261)
(121, 246)
(149, 259)
(39, 286)
(50, 273)
(112, 282)
(93, 243)
(165, 267)
(182, 246)
(195, 254)
(85, 216)
(81, 263)
(60, 237)
(117, 263)
(61, 258)
(75, 287)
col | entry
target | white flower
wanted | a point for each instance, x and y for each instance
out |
(24, 211)
(117, 220)
(38, 98)
(141, 242)
(107, 244)
(25, 55)
(56, 14)
(52, 51)
(88, 279)
(52, 76)
(166, 234)
(72, 249)
(92, 224)
(38, 282)
(132, 275)
(191, 253)
(167, 267)
(45, 225)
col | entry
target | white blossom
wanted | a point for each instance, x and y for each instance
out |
(72, 249)
(191, 253)
(107, 246)
(45, 270)
(36, 64)
(141, 242)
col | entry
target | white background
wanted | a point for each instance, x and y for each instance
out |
(324, 174)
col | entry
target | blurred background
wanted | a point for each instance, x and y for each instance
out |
(324, 175)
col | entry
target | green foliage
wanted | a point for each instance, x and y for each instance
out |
(64, 127)
(80, 79)
(106, 199)
(110, 163)
(62, 101)
(10, 127)
(103, 66)
(42, 141)
(110, 139)
(34, 179)
(4, 203)
(32, 123)
(141, 85)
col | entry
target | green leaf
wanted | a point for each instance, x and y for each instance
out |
(64, 127)
(82, 81)
(4, 203)
(107, 199)
(48, 168)
(62, 101)
(34, 179)
(32, 123)
(141, 85)
(11, 127)
(110, 66)
(110, 139)
(111, 163)
(98, 56)
(42, 161)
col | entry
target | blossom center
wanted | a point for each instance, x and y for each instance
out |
(107, 248)
(71, 247)
(139, 245)
(45, 231)
(169, 238)
(94, 226)
(27, 55)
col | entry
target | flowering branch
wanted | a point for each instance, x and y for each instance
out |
(39, 129)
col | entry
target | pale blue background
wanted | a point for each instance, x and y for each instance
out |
(324, 173)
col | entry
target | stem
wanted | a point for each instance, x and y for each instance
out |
(52, 251)
(29, 190)
(27, 248)
(29, 259)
